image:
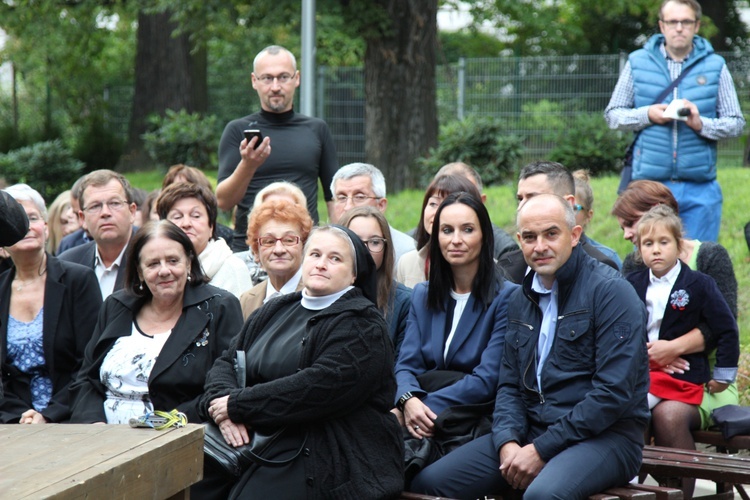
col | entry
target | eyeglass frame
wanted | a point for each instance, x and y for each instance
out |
(685, 23)
(341, 199)
(268, 80)
(96, 208)
(276, 240)
(375, 238)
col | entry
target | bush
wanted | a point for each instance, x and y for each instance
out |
(480, 142)
(48, 167)
(588, 143)
(97, 146)
(182, 137)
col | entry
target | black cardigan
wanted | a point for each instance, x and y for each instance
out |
(341, 395)
(210, 318)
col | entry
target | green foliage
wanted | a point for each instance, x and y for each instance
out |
(182, 137)
(467, 43)
(10, 138)
(97, 146)
(48, 167)
(480, 142)
(587, 142)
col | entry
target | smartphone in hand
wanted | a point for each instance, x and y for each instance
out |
(250, 133)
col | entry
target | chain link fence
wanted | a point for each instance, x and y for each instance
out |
(533, 96)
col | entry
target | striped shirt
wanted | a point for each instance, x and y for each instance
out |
(621, 115)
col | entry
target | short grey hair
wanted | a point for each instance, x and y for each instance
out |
(281, 188)
(24, 192)
(274, 50)
(357, 169)
(570, 215)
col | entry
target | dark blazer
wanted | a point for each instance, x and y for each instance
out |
(705, 304)
(476, 349)
(71, 304)
(210, 318)
(13, 221)
(72, 240)
(86, 255)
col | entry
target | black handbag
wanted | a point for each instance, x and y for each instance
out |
(732, 420)
(626, 174)
(235, 461)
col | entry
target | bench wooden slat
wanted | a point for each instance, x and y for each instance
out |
(627, 493)
(715, 438)
(661, 492)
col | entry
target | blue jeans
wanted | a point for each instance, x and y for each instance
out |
(584, 469)
(700, 208)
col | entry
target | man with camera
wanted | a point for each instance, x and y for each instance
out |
(303, 146)
(676, 144)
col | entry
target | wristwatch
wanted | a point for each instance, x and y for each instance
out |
(403, 399)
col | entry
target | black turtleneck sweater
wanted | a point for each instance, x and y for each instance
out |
(302, 150)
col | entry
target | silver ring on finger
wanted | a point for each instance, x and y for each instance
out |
(416, 427)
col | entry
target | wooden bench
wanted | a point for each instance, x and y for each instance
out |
(65, 461)
(629, 492)
(670, 465)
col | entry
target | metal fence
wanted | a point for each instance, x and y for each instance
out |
(535, 97)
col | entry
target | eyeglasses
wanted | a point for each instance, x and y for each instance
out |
(375, 244)
(113, 205)
(687, 23)
(578, 207)
(268, 79)
(357, 199)
(270, 241)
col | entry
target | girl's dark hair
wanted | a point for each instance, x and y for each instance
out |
(442, 185)
(441, 275)
(146, 233)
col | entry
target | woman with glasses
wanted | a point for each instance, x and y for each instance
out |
(193, 208)
(450, 357)
(276, 232)
(48, 311)
(394, 299)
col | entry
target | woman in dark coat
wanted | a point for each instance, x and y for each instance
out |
(48, 310)
(156, 339)
(319, 363)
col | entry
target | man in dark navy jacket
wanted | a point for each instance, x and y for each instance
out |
(571, 404)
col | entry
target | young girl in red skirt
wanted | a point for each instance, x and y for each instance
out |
(678, 301)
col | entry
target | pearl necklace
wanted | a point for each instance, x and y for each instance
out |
(32, 280)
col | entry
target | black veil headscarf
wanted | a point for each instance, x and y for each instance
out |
(364, 266)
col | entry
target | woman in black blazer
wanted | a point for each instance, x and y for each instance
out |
(156, 339)
(47, 314)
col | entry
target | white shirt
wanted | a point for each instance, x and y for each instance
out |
(288, 287)
(107, 276)
(657, 296)
(461, 300)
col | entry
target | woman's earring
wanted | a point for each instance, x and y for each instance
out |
(140, 286)
(189, 278)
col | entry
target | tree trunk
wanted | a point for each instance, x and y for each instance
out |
(717, 10)
(167, 76)
(400, 98)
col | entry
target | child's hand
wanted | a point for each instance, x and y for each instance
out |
(715, 387)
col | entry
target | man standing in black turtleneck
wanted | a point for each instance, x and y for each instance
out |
(303, 146)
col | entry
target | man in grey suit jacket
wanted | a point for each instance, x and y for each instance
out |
(108, 212)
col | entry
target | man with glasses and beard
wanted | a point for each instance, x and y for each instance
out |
(303, 148)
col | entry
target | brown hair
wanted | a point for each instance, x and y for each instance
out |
(146, 233)
(660, 215)
(99, 178)
(191, 174)
(640, 197)
(176, 192)
(278, 211)
(693, 4)
(385, 273)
